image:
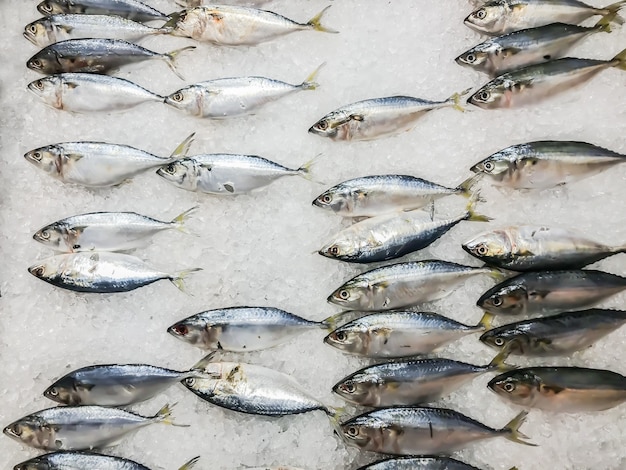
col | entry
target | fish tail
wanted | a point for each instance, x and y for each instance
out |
(485, 321)
(179, 220)
(183, 148)
(471, 215)
(204, 362)
(455, 99)
(305, 170)
(620, 249)
(190, 464)
(172, 20)
(604, 24)
(309, 82)
(170, 59)
(466, 188)
(332, 322)
(613, 8)
(164, 415)
(496, 273)
(498, 362)
(620, 60)
(316, 22)
(178, 279)
(513, 432)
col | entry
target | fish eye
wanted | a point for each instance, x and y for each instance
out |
(344, 294)
(16, 429)
(470, 57)
(36, 63)
(322, 125)
(190, 381)
(32, 28)
(481, 14)
(489, 166)
(349, 386)
(498, 342)
(181, 329)
(341, 336)
(39, 271)
(334, 250)
(352, 431)
(46, 7)
(484, 96)
(496, 301)
(39, 84)
(178, 97)
(44, 234)
(509, 387)
(171, 168)
(37, 156)
(326, 198)
(481, 250)
(53, 391)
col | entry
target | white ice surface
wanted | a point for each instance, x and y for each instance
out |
(258, 249)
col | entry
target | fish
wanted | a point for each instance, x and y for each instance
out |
(378, 117)
(419, 463)
(400, 333)
(86, 460)
(230, 25)
(391, 236)
(546, 164)
(403, 284)
(225, 98)
(56, 28)
(527, 47)
(88, 92)
(131, 9)
(533, 84)
(369, 196)
(550, 292)
(105, 231)
(227, 174)
(556, 335)
(98, 55)
(417, 430)
(99, 164)
(496, 17)
(561, 389)
(102, 272)
(411, 382)
(81, 427)
(538, 248)
(241, 329)
(117, 384)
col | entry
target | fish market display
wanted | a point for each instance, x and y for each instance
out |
(102, 272)
(550, 292)
(230, 25)
(241, 328)
(555, 335)
(416, 430)
(87, 92)
(105, 231)
(546, 164)
(131, 9)
(562, 389)
(378, 117)
(403, 284)
(86, 460)
(419, 463)
(400, 334)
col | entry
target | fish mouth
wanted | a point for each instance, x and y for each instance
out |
(467, 248)
(316, 202)
(9, 431)
(476, 168)
(316, 131)
(324, 252)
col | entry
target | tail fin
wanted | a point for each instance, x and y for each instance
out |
(332, 322)
(316, 24)
(619, 249)
(164, 415)
(190, 464)
(305, 170)
(173, 20)
(170, 59)
(470, 214)
(485, 321)
(182, 149)
(496, 274)
(456, 100)
(620, 60)
(613, 9)
(204, 362)
(178, 279)
(309, 82)
(179, 220)
(498, 363)
(604, 24)
(467, 186)
(513, 432)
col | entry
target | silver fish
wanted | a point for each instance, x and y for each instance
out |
(546, 164)
(86, 460)
(87, 92)
(56, 28)
(562, 389)
(236, 25)
(96, 56)
(241, 328)
(102, 272)
(415, 430)
(131, 9)
(80, 427)
(227, 174)
(527, 47)
(381, 194)
(403, 284)
(550, 292)
(497, 17)
(105, 231)
(410, 382)
(537, 248)
(535, 83)
(419, 463)
(99, 164)
(400, 333)
(556, 335)
(378, 117)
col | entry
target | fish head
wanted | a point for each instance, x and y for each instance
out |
(504, 299)
(355, 388)
(187, 99)
(197, 332)
(332, 126)
(359, 432)
(340, 248)
(49, 159)
(47, 269)
(51, 235)
(502, 338)
(65, 391)
(48, 89)
(335, 199)
(181, 173)
(494, 166)
(489, 246)
(38, 463)
(346, 338)
(37, 32)
(489, 18)
(31, 430)
(351, 295)
(476, 58)
(491, 96)
(53, 7)
(43, 62)
(518, 386)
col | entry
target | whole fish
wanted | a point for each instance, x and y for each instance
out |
(56, 28)
(416, 430)
(230, 97)
(411, 382)
(87, 92)
(117, 385)
(527, 47)
(84, 461)
(549, 292)
(241, 329)
(197, 3)
(131, 9)
(105, 231)
(400, 333)
(369, 196)
(227, 174)
(254, 389)
(230, 25)
(546, 164)
(391, 236)
(102, 272)
(562, 389)
(534, 83)
(537, 248)
(99, 164)
(378, 117)
(497, 17)
(96, 56)
(419, 463)
(557, 335)
(403, 284)
(80, 427)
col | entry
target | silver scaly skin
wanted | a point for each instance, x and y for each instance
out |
(561, 389)
(131, 9)
(86, 460)
(419, 463)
